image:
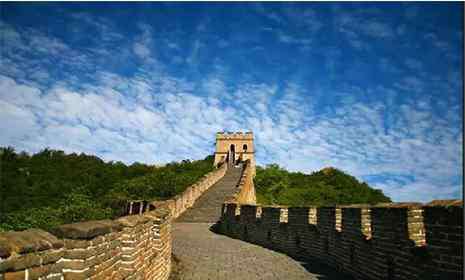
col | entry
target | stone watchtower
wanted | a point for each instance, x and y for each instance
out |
(234, 148)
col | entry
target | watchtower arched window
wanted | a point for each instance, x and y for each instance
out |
(244, 147)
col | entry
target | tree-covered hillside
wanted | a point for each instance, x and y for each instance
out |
(51, 188)
(329, 186)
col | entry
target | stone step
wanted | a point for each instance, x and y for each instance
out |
(207, 209)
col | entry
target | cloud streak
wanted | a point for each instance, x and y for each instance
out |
(403, 136)
(180, 124)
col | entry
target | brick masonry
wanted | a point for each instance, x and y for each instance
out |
(245, 190)
(383, 241)
(386, 241)
(136, 246)
(131, 247)
(181, 202)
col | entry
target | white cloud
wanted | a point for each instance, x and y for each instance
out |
(182, 124)
(411, 84)
(143, 44)
(306, 18)
(357, 24)
(17, 123)
(155, 117)
(141, 50)
(102, 26)
(291, 39)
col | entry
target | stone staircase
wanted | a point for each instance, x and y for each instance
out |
(207, 209)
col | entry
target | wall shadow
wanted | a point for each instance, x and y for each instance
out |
(320, 270)
(323, 271)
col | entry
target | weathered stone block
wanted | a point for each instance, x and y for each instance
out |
(31, 240)
(446, 202)
(25, 261)
(17, 275)
(132, 221)
(80, 254)
(76, 244)
(87, 230)
(38, 271)
(71, 275)
(51, 256)
(75, 264)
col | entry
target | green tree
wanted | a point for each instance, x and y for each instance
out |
(50, 187)
(275, 185)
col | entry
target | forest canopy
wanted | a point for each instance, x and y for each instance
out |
(329, 186)
(50, 188)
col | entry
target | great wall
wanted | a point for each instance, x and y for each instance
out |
(215, 230)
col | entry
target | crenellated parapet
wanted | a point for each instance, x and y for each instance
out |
(130, 247)
(384, 241)
(234, 135)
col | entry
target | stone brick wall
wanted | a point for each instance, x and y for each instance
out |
(185, 200)
(131, 247)
(386, 241)
(136, 246)
(245, 190)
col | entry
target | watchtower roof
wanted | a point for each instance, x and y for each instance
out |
(234, 135)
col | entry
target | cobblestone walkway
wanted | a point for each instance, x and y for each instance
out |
(204, 255)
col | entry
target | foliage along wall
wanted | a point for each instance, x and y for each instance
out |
(136, 246)
(51, 188)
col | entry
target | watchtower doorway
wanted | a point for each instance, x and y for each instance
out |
(232, 155)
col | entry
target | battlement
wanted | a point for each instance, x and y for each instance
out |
(234, 135)
(124, 248)
(383, 241)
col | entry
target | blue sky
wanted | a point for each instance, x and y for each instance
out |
(372, 89)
